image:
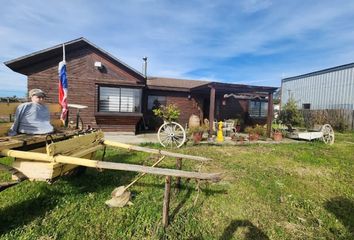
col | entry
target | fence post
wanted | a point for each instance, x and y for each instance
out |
(166, 201)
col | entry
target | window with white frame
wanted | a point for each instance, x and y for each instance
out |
(258, 108)
(119, 99)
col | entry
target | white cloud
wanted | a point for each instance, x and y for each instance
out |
(251, 6)
(192, 39)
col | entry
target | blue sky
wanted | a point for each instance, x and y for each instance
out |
(256, 42)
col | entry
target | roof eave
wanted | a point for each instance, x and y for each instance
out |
(11, 63)
(231, 85)
(175, 89)
(315, 73)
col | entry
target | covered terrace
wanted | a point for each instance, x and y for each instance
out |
(222, 91)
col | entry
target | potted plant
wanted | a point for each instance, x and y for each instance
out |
(255, 132)
(252, 136)
(239, 139)
(277, 135)
(197, 132)
(278, 131)
(261, 131)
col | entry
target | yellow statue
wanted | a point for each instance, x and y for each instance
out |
(220, 137)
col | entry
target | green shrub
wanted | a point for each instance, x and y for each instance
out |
(198, 129)
(258, 129)
(170, 113)
(290, 114)
(333, 117)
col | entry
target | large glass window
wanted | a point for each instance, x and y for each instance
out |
(156, 101)
(118, 99)
(258, 108)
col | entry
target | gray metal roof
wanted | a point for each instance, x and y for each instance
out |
(341, 67)
(19, 64)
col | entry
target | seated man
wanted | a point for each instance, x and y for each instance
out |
(32, 117)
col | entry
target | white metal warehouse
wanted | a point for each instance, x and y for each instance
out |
(331, 88)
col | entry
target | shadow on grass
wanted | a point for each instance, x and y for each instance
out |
(94, 180)
(343, 209)
(252, 231)
(181, 204)
(22, 213)
(184, 186)
(112, 156)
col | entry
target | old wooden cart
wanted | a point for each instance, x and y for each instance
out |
(324, 133)
(46, 157)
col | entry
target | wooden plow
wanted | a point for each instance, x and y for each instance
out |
(44, 158)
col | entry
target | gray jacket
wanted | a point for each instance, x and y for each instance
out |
(31, 118)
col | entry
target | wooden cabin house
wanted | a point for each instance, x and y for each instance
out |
(120, 98)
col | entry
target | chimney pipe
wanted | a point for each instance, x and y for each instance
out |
(145, 66)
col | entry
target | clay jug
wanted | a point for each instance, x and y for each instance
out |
(194, 121)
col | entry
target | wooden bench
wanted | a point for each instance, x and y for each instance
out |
(7, 112)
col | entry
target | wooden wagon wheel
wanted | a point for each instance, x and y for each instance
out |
(328, 134)
(171, 134)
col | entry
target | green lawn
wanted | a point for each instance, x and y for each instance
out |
(284, 191)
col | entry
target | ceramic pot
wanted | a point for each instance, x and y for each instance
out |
(197, 137)
(253, 136)
(277, 136)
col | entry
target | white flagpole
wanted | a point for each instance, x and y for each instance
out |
(63, 52)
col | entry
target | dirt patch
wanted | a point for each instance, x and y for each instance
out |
(306, 171)
(293, 227)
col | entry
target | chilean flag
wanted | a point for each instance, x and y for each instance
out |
(63, 90)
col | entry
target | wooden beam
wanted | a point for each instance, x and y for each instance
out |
(179, 167)
(42, 171)
(66, 146)
(87, 151)
(211, 110)
(10, 108)
(109, 165)
(270, 114)
(159, 171)
(26, 140)
(154, 151)
(166, 201)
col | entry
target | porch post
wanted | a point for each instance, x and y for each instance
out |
(270, 114)
(211, 110)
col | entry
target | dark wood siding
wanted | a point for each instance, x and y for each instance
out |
(187, 106)
(233, 108)
(111, 123)
(237, 108)
(83, 79)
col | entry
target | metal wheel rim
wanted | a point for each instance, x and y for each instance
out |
(328, 134)
(171, 134)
